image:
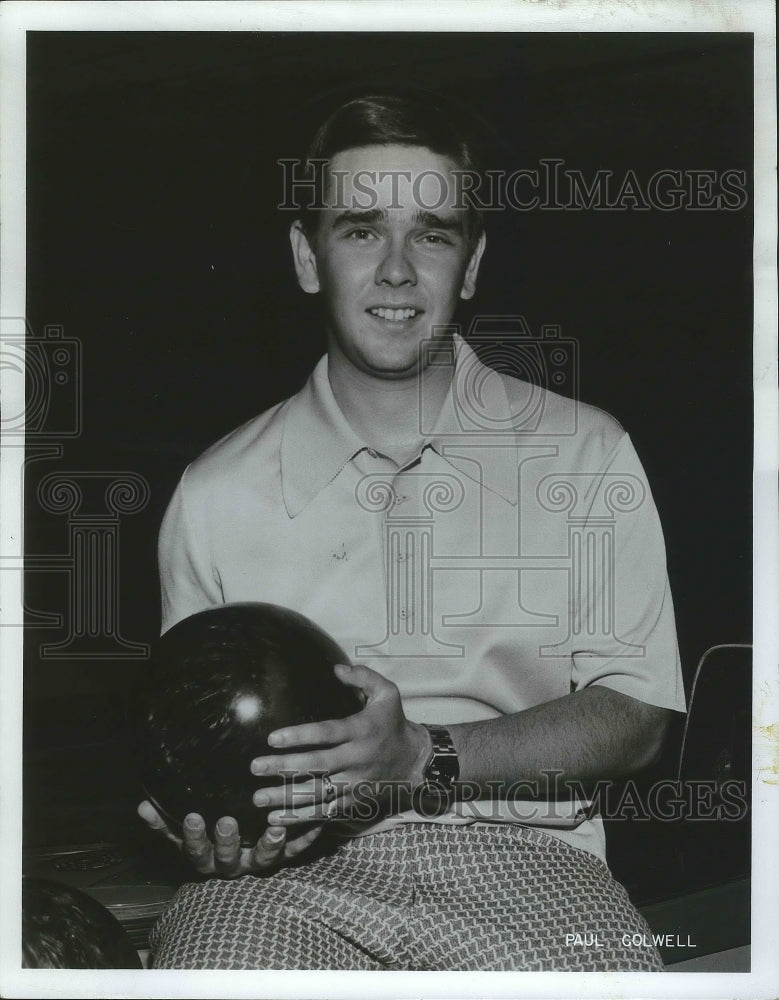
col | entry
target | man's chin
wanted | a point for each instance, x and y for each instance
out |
(393, 371)
(390, 357)
(394, 362)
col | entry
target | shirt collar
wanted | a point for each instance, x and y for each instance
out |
(317, 441)
(476, 428)
(479, 440)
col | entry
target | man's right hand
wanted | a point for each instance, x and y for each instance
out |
(225, 857)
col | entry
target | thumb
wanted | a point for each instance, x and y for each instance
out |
(155, 822)
(363, 678)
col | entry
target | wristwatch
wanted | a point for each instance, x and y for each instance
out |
(441, 772)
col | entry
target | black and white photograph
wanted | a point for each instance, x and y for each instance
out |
(389, 540)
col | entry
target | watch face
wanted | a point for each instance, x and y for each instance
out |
(442, 774)
(436, 793)
(443, 767)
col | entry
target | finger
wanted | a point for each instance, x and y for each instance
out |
(268, 849)
(227, 847)
(152, 818)
(299, 844)
(197, 848)
(316, 812)
(302, 802)
(288, 794)
(297, 766)
(311, 734)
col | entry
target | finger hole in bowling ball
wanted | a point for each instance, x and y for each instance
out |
(219, 683)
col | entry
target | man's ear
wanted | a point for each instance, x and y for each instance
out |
(472, 271)
(304, 257)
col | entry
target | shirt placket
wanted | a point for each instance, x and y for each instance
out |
(408, 539)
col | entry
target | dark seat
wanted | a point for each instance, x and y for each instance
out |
(690, 874)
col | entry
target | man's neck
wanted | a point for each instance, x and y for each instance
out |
(385, 412)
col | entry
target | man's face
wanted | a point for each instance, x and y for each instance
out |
(391, 257)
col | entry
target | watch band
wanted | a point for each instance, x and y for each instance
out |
(443, 766)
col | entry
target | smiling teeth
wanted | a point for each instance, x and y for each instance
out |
(394, 315)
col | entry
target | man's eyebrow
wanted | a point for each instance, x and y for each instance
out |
(366, 217)
(449, 223)
(423, 217)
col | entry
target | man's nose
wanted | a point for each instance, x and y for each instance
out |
(396, 267)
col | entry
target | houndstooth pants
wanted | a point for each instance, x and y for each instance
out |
(419, 897)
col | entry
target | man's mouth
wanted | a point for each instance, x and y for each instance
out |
(401, 315)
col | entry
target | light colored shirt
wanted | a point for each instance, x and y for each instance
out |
(519, 557)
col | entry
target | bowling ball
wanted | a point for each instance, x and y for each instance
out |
(64, 928)
(219, 683)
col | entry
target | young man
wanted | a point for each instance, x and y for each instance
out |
(489, 556)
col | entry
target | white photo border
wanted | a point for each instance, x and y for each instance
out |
(16, 18)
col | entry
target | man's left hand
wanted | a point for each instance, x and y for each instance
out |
(376, 746)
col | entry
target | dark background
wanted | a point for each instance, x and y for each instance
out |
(154, 239)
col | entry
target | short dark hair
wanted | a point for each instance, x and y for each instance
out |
(403, 120)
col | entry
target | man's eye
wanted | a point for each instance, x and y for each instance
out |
(360, 235)
(435, 239)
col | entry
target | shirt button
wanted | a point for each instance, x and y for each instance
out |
(372, 453)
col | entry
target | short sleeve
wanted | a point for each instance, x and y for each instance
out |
(626, 635)
(187, 580)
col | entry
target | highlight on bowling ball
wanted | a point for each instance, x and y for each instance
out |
(64, 928)
(219, 683)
